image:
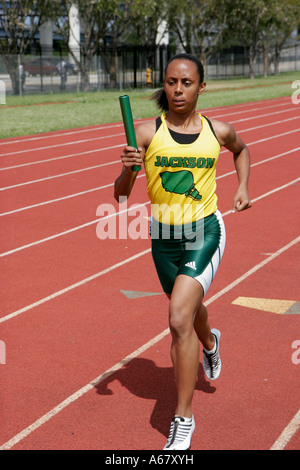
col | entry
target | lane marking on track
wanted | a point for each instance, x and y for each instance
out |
(74, 172)
(74, 286)
(253, 270)
(250, 118)
(51, 201)
(71, 155)
(35, 149)
(269, 305)
(267, 160)
(84, 281)
(273, 137)
(287, 433)
(39, 162)
(63, 198)
(75, 396)
(63, 144)
(66, 232)
(79, 227)
(64, 133)
(140, 176)
(268, 124)
(55, 135)
(40, 180)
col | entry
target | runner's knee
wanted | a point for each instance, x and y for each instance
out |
(180, 320)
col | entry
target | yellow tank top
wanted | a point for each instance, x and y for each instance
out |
(181, 178)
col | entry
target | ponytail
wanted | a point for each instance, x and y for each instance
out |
(161, 99)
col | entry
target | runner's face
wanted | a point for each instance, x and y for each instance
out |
(182, 85)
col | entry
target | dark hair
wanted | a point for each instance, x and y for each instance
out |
(160, 96)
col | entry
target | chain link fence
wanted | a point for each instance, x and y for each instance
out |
(267, 62)
(124, 67)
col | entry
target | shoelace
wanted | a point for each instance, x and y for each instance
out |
(213, 359)
(179, 430)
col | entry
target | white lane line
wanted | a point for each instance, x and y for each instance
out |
(268, 124)
(273, 191)
(74, 229)
(26, 183)
(54, 159)
(288, 152)
(274, 137)
(34, 149)
(121, 145)
(39, 162)
(67, 132)
(258, 116)
(75, 396)
(19, 437)
(73, 286)
(253, 270)
(267, 160)
(67, 232)
(283, 101)
(24, 139)
(35, 304)
(51, 201)
(64, 144)
(287, 433)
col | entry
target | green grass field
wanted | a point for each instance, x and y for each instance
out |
(28, 115)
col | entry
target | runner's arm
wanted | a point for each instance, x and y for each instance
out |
(131, 157)
(124, 183)
(228, 137)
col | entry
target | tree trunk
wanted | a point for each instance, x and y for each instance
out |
(12, 65)
(276, 60)
(252, 59)
(266, 50)
(85, 78)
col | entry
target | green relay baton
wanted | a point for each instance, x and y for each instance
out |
(128, 124)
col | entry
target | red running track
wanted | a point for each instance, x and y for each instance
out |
(85, 367)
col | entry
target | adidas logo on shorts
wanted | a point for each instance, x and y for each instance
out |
(191, 265)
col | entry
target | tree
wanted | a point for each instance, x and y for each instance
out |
(100, 20)
(284, 21)
(260, 25)
(198, 25)
(20, 21)
(247, 22)
(146, 19)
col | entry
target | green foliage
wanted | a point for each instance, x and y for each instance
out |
(199, 26)
(90, 109)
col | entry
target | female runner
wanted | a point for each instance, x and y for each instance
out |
(180, 150)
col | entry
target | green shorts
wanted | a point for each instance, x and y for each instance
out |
(198, 256)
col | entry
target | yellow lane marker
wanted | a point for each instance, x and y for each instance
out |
(280, 307)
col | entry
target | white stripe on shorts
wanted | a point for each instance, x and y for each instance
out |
(208, 274)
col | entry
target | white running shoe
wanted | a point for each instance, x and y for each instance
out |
(181, 432)
(211, 362)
